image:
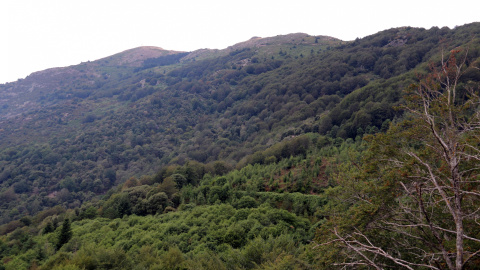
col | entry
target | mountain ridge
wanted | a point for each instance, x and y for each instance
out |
(55, 78)
(135, 56)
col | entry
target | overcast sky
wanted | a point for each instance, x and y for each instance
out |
(40, 34)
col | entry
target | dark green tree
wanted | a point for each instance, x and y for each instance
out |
(65, 234)
(48, 228)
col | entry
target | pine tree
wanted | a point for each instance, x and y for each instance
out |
(65, 233)
(48, 228)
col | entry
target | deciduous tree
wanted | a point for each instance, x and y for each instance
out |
(420, 190)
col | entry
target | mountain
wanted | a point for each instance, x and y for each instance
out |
(283, 152)
(32, 92)
(70, 134)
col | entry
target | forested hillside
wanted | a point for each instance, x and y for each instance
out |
(269, 154)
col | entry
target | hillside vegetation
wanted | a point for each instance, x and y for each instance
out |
(252, 157)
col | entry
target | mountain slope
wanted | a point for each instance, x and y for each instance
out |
(39, 89)
(69, 134)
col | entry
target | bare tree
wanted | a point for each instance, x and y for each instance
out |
(434, 217)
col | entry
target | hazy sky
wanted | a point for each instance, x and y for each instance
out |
(40, 34)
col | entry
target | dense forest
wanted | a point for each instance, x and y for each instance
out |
(289, 152)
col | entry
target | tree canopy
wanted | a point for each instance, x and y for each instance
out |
(416, 201)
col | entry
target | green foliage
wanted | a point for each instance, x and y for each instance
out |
(141, 159)
(413, 184)
(101, 123)
(90, 212)
(177, 240)
(164, 60)
(246, 202)
(117, 206)
(48, 228)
